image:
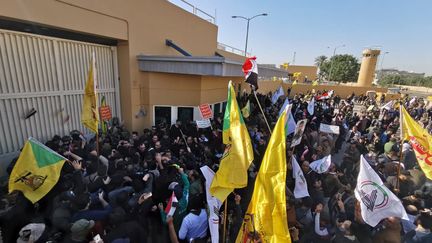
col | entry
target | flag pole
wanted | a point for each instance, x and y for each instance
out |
(97, 100)
(224, 221)
(259, 105)
(401, 145)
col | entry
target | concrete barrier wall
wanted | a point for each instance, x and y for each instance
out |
(342, 90)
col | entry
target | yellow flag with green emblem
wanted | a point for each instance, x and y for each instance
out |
(246, 110)
(420, 140)
(238, 154)
(266, 218)
(36, 171)
(89, 114)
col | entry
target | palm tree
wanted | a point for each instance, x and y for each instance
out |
(319, 60)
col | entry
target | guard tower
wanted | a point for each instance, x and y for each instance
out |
(367, 69)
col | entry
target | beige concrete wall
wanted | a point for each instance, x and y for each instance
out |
(231, 56)
(214, 89)
(309, 71)
(62, 15)
(341, 90)
(175, 89)
(143, 25)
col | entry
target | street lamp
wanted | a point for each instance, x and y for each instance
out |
(381, 66)
(334, 53)
(247, 30)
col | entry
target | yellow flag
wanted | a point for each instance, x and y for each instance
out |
(429, 98)
(420, 140)
(36, 171)
(294, 83)
(315, 83)
(89, 114)
(246, 110)
(266, 219)
(238, 154)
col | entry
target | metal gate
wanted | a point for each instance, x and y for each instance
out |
(48, 75)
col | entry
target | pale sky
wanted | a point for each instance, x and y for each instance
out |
(308, 27)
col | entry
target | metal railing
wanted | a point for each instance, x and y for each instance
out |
(232, 49)
(198, 12)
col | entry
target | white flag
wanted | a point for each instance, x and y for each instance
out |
(322, 165)
(388, 106)
(412, 100)
(278, 93)
(213, 203)
(203, 123)
(311, 106)
(300, 189)
(291, 122)
(377, 202)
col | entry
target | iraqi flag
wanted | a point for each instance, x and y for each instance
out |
(172, 205)
(377, 202)
(250, 70)
(325, 95)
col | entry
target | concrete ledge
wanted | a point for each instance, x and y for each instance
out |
(205, 66)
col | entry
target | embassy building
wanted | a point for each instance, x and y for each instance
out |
(155, 62)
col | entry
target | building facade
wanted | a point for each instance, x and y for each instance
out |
(155, 61)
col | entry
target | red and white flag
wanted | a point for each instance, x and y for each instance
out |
(325, 95)
(172, 205)
(250, 70)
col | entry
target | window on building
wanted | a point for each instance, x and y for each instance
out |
(216, 109)
(223, 107)
(185, 114)
(162, 115)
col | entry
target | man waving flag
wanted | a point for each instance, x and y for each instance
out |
(238, 153)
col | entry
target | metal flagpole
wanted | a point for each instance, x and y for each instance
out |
(401, 145)
(224, 221)
(259, 105)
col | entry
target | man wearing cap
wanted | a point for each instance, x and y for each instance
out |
(80, 229)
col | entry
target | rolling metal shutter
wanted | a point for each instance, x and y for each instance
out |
(49, 75)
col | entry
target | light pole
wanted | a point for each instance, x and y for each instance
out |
(331, 66)
(247, 29)
(381, 66)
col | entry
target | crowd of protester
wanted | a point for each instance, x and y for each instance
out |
(121, 193)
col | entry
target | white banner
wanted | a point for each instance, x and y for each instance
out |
(300, 188)
(311, 106)
(329, 128)
(203, 123)
(213, 204)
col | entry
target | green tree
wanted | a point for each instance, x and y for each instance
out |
(392, 79)
(319, 60)
(341, 68)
